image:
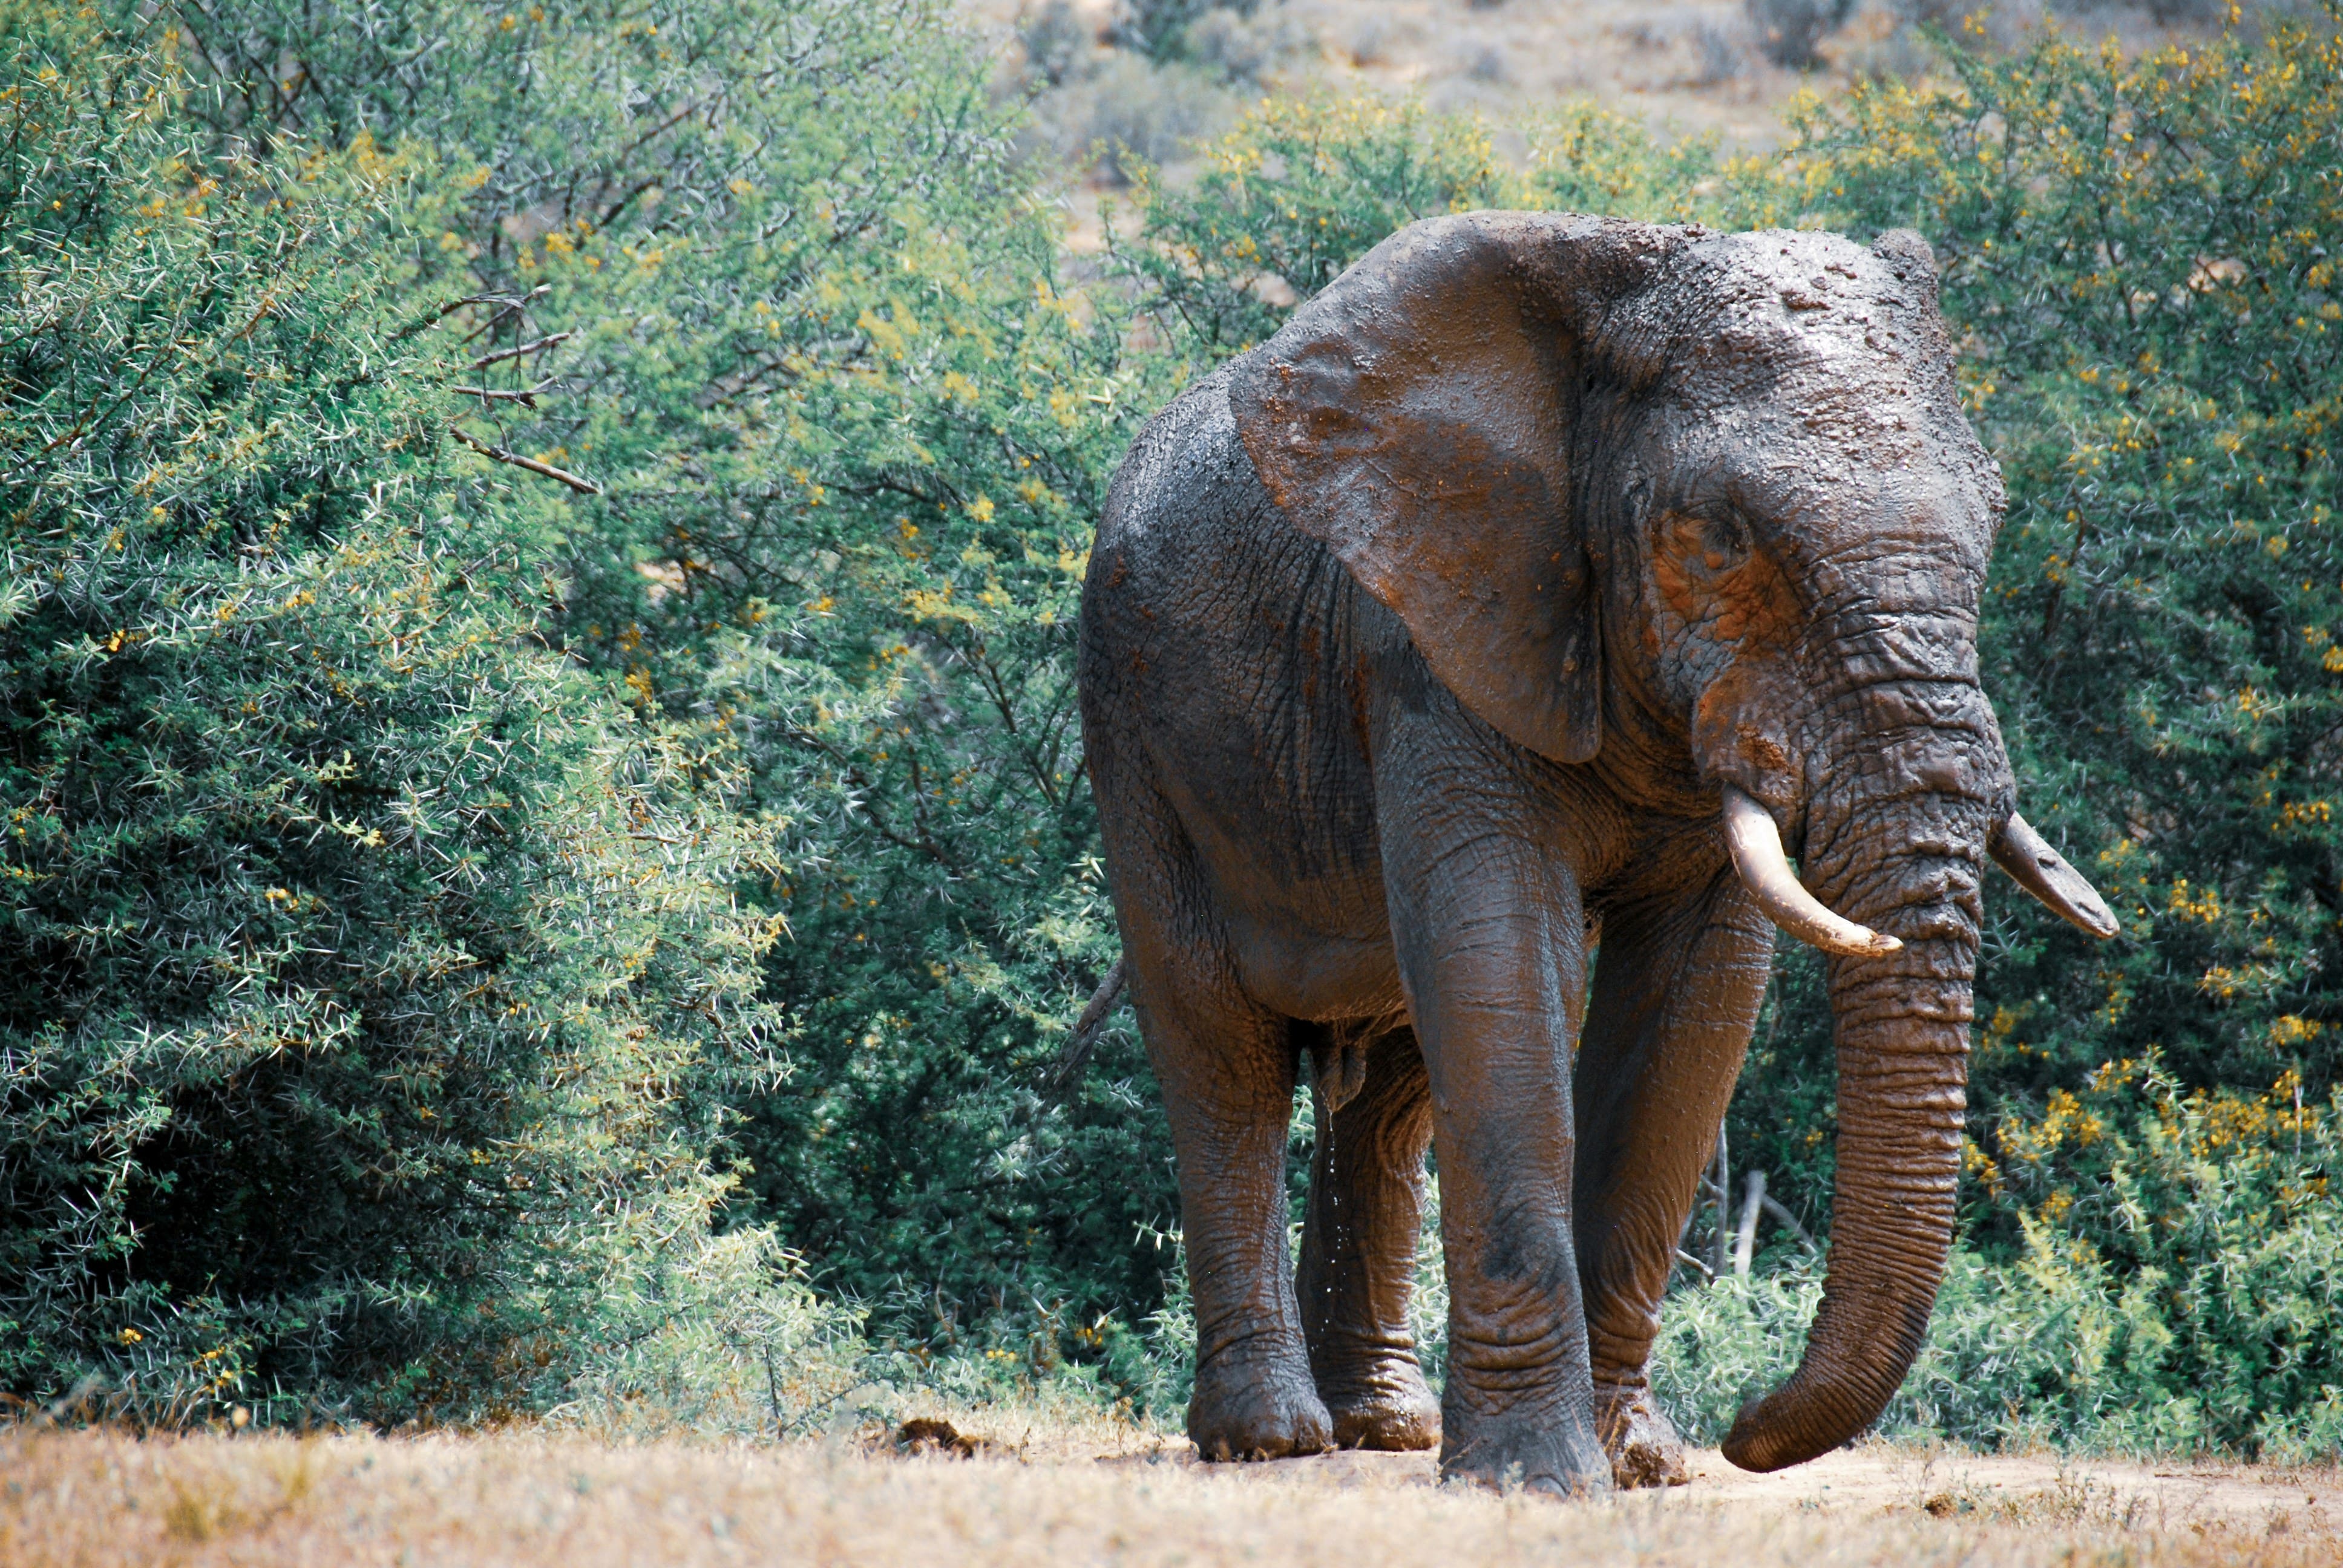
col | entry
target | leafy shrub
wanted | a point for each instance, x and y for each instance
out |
(373, 976)
(850, 428)
(1056, 38)
(1726, 1342)
(1247, 48)
(2180, 1269)
(1132, 112)
(1298, 191)
(1303, 187)
(1161, 28)
(2186, 1247)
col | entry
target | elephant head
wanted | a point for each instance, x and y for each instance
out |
(1702, 511)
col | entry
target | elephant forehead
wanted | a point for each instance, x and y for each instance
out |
(1868, 506)
(1842, 420)
(1753, 309)
(1798, 274)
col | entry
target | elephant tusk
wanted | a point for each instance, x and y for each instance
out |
(2044, 872)
(1758, 856)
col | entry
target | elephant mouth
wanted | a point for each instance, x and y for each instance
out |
(1763, 865)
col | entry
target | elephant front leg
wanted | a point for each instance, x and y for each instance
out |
(1491, 936)
(1358, 1237)
(1676, 992)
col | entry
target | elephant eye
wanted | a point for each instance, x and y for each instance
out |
(1712, 544)
(1727, 544)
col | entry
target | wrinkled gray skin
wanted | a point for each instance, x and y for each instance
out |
(1417, 646)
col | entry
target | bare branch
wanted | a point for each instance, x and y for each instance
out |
(508, 301)
(494, 395)
(1788, 1221)
(501, 354)
(1088, 1027)
(583, 487)
(506, 305)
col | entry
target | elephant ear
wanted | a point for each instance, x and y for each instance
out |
(1416, 416)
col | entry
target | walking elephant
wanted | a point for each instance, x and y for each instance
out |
(1539, 588)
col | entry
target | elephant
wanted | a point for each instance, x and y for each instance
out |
(1460, 670)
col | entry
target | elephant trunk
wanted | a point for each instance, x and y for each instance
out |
(1907, 863)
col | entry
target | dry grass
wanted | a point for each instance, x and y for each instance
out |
(1684, 65)
(1076, 1496)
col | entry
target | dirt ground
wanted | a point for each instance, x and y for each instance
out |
(1090, 1495)
(1885, 1478)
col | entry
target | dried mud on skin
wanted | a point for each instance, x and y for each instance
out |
(96, 1498)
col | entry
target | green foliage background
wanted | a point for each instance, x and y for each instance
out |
(373, 975)
(849, 431)
(542, 547)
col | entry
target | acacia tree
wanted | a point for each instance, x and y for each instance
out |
(790, 310)
(369, 964)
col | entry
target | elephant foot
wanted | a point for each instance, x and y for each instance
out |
(1257, 1411)
(1558, 1457)
(1642, 1443)
(1388, 1407)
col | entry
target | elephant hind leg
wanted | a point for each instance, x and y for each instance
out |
(1226, 1066)
(1359, 1236)
(1227, 1072)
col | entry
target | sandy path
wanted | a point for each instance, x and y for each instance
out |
(1882, 1478)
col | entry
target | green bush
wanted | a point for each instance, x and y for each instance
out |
(2174, 1290)
(1302, 188)
(850, 428)
(375, 979)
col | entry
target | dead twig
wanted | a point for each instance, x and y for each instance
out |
(501, 354)
(1787, 1221)
(583, 487)
(499, 395)
(1090, 1026)
(505, 302)
(506, 305)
